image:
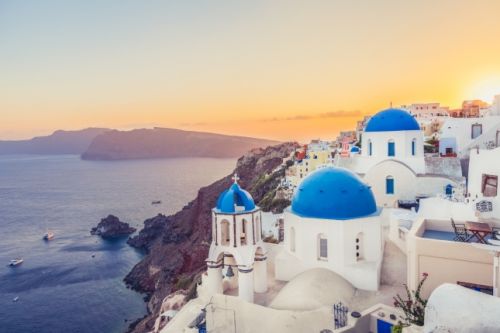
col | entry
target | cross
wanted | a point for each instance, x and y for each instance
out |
(235, 178)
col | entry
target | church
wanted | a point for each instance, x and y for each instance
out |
(333, 223)
(393, 163)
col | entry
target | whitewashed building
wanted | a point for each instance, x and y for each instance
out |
(459, 135)
(333, 223)
(393, 163)
(237, 255)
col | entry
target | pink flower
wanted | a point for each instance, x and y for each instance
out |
(425, 274)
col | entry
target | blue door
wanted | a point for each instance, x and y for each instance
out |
(391, 149)
(383, 326)
(389, 185)
(449, 190)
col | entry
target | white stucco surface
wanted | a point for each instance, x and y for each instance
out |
(452, 308)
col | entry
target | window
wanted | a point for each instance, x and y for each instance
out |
(476, 130)
(225, 234)
(389, 185)
(322, 247)
(292, 239)
(244, 232)
(370, 148)
(413, 147)
(489, 185)
(391, 148)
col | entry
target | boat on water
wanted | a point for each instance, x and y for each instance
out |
(156, 202)
(48, 235)
(15, 299)
(16, 262)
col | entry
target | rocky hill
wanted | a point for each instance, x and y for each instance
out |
(168, 142)
(59, 142)
(177, 245)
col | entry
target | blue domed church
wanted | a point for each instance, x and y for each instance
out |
(333, 223)
(237, 256)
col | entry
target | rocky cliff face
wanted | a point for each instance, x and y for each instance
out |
(177, 245)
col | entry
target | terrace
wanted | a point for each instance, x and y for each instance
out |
(435, 249)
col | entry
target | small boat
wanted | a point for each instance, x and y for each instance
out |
(49, 235)
(156, 202)
(16, 262)
(15, 299)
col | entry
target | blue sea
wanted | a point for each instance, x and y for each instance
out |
(74, 282)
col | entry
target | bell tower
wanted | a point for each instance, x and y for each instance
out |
(237, 256)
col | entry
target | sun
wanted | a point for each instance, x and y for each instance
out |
(485, 89)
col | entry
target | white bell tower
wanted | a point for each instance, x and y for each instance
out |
(237, 256)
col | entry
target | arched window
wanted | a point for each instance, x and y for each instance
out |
(391, 148)
(370, 148)
(389, 185)
(225, 233)
(360, 247)
(322, 247)
(258, 230)
(413, 147)
(244, 232)
(292, 239)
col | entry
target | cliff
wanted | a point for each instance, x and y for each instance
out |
(167, 142)
(177, 245)
(59, 142)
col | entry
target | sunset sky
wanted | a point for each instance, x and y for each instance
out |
(274, 69)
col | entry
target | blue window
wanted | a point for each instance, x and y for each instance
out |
(370, 148)
(413, 147)
(389, 185)
(391, 148)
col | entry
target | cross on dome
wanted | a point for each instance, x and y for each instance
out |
(235, 178)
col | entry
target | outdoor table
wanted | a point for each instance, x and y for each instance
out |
(479, 230)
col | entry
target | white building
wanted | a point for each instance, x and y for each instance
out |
(393, 163)
(426, 110)
(459, 135)
(484, 171)
(237, 255)
(333, 223)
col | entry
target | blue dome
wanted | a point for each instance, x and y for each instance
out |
(333, 193)
(234, 197)
(355, 149)
(392, 120)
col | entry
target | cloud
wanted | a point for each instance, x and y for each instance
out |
(193, 124)
(324, 115)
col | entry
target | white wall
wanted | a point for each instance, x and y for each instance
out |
(403, 144)
(341, 235)
(460, 130)
(484, 162)
(405, 182)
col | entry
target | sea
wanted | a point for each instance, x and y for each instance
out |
(74, 283)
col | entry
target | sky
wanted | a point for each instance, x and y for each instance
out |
(286, 70)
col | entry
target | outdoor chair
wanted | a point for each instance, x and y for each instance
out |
(495, 233)
(461, 233)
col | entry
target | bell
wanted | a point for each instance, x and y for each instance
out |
(230, 272)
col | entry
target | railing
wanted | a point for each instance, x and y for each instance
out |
(340, 315)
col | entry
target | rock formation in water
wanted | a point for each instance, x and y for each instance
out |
(168, 142)
(177, 245)
(112, 227)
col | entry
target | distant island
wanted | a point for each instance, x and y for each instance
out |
(168, 142)
(109, 144)
(59, 142)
